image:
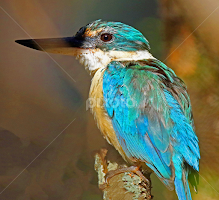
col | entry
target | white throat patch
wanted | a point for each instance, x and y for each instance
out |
(94, 59)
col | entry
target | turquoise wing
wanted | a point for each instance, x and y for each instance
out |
(151, 115)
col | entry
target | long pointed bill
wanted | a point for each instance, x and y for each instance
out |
(66, 46)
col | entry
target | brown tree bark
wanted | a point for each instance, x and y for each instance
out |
(128, 185)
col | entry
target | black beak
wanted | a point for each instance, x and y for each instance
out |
(66, 45)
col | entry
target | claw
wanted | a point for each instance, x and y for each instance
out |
(103, 186)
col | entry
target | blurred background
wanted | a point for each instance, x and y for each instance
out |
(43, 97)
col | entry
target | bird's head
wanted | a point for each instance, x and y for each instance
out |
(97, 44)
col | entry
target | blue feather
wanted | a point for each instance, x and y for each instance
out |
(157, 127)
(182, 189)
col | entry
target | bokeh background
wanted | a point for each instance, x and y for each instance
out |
(48, 138)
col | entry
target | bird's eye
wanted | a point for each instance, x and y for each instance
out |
(106, 37)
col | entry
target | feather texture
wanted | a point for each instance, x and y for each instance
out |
(151, 114)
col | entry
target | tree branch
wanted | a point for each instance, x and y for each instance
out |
(126, 185)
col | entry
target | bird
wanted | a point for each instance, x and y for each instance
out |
(146, 112)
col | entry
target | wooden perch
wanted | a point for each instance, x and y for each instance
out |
(127, 186)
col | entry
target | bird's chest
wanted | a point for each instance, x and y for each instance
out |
(103, 120)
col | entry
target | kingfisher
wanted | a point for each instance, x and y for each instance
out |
(146, 112)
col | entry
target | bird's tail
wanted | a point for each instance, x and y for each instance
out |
(182, 188)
